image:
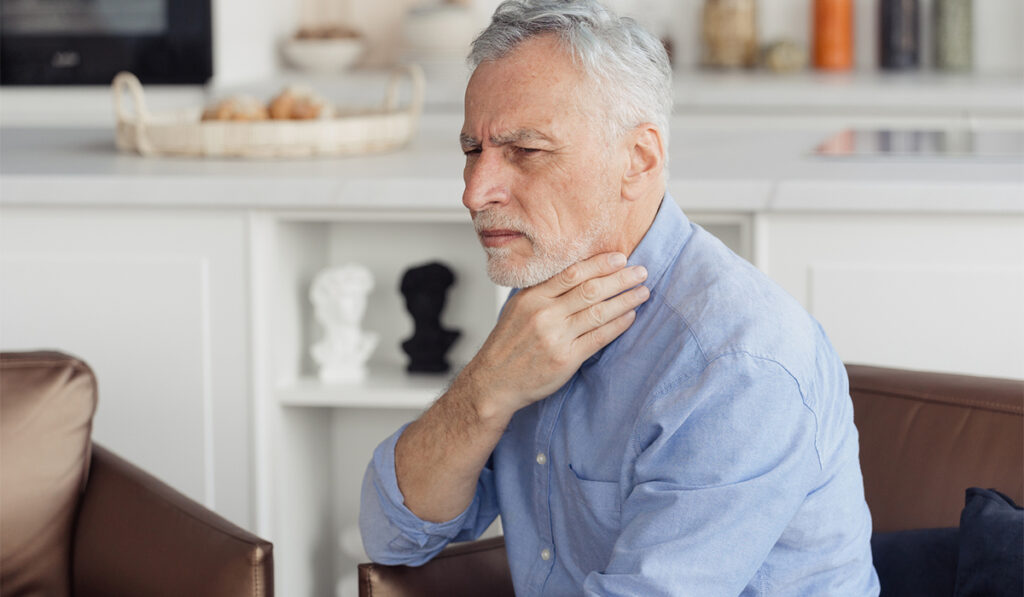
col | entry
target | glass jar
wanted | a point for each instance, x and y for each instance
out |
(833, 34)
(899, 34)
(954, 35)
(729, 33)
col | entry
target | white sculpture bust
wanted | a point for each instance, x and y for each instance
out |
(339, 300)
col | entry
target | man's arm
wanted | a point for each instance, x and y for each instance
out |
(430, 484)
(543, 336)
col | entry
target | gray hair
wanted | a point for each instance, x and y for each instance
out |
(627, 65)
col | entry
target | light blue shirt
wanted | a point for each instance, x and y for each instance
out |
(709, 450)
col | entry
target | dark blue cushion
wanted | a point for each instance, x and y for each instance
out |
(991, 556)
(917, 563)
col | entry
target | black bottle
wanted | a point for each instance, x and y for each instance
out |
(899, 34)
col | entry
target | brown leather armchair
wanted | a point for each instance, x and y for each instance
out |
(924, 438)
(77, 519)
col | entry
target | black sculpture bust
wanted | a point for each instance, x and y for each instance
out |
(425, 289)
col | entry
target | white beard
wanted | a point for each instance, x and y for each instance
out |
(549, 257)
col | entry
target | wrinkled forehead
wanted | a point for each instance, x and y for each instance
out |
(536, 87)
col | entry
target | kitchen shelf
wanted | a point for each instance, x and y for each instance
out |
(386, 386)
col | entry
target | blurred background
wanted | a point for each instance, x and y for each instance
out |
(226, 45)
(868, 155)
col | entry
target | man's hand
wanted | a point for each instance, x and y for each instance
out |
(547, 331)
(543, 336)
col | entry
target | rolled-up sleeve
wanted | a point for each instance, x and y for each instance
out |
(392, 534)
(722, 464)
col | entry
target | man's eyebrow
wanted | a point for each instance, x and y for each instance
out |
(516, 136)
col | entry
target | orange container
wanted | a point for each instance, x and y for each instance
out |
(833, 34)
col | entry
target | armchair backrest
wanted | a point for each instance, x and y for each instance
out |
(47, 401)
(926, 437)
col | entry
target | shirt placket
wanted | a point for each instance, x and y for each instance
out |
(542, 479)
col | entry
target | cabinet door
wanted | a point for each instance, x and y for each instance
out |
(934, 292)
(156, 302)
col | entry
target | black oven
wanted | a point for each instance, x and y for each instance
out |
(86, 42)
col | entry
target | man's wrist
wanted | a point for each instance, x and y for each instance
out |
(473, 391)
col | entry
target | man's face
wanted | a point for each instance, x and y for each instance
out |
(541, 183)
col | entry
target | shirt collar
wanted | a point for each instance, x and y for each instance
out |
(658, 249)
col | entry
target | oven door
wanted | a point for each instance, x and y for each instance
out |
(87, 42)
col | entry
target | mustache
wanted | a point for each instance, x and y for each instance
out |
(489, 219)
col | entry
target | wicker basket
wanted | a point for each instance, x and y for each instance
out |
(183, 133)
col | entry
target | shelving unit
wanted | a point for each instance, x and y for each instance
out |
(319, 437)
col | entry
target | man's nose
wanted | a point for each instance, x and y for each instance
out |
(487, 181)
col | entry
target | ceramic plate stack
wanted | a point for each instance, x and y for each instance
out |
(348, 132)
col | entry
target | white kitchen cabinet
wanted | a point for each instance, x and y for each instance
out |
(921, 291)
(156, 301)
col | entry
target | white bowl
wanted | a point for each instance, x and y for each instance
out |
(322, 55)
(439, 30)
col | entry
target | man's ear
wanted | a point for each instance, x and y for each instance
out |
(646, 153)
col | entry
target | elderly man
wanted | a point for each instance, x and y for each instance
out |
(670, 424)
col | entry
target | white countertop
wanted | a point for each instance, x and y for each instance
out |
(711, 169)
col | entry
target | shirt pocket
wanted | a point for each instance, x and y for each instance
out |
(593, 510)
(601, 497)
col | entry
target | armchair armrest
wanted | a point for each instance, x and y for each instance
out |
(135, 535)
(462, 570)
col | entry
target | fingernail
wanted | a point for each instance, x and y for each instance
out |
(617, 260)
(640, 272)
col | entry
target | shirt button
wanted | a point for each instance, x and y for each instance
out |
(545, 554)
(541, 458)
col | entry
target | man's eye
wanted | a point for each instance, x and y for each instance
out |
(526, 150)
(472, 151)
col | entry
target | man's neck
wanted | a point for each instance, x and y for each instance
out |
(639, 221)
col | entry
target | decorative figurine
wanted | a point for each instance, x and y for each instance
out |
(425, 289)
(339, 299)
